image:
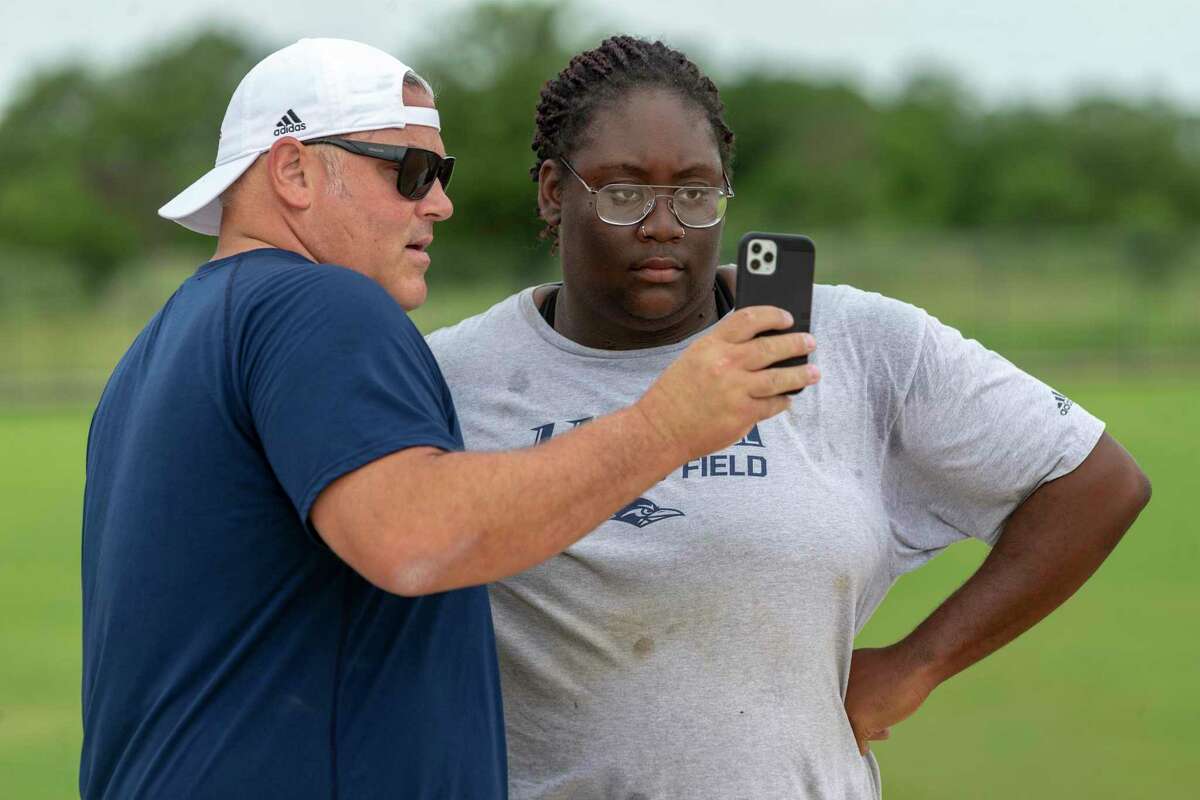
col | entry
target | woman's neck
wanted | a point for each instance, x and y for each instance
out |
(578, 322)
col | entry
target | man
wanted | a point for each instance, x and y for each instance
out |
(282, 551)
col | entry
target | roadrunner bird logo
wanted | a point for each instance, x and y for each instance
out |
(643, 512)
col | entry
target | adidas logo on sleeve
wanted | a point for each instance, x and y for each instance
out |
(1064, 403)
(290, 123)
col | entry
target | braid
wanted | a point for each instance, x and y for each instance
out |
(618, 64)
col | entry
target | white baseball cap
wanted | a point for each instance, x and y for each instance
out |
(315, 87)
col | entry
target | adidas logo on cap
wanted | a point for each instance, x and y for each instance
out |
(290, 123)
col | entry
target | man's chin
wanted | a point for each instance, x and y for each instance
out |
(409, 292)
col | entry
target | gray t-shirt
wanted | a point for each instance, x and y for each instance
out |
(697, 644)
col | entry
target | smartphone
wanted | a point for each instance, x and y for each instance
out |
(776, 269)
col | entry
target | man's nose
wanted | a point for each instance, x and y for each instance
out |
(436, 205)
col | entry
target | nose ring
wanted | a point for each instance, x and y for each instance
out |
(644, 235)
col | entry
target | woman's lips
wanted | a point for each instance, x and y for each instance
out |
(659, 270)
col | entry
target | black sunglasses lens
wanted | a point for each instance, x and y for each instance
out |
(418, 171)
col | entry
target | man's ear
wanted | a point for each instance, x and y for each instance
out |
(290, 173)
(550, 192)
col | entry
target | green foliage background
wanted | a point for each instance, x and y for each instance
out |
(1063, 237)
(89, 157)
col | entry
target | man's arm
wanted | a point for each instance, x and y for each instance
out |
(1050, 545)
(421, 521)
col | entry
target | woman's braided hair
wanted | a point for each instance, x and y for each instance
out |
(601, 75)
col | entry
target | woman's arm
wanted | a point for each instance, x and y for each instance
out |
(1050, 545)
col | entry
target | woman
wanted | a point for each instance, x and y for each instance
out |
(700, 643)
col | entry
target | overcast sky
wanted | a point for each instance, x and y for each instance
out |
(1048, 50)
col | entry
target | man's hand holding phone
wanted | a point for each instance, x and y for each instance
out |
(724, 384)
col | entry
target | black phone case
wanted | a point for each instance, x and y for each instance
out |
(790, 287)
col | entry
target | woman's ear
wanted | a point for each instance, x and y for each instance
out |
(550, 192)
(727, 274)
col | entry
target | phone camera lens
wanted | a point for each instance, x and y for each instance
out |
(769, 257)
(754, 265)
(756, 248)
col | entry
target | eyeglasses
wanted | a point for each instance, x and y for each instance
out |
(630, 203)
(418, 168)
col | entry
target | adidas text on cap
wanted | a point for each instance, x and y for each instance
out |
(315, 87)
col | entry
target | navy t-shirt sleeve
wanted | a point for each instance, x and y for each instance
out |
(334, 376)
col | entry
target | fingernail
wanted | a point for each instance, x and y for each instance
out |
(809, 341)
(787, 316)
(814, 372)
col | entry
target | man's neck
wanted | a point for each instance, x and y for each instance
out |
(232, 243)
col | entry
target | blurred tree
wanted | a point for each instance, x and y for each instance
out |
(45, 197)
(488, 67)
(1024, 173)
(805, 154)
(89, 158)
(925, 138)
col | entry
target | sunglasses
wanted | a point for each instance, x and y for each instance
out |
(418, 168)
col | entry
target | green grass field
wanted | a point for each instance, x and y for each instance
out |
(1100, 701)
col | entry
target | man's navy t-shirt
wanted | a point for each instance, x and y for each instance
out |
(227, 651)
